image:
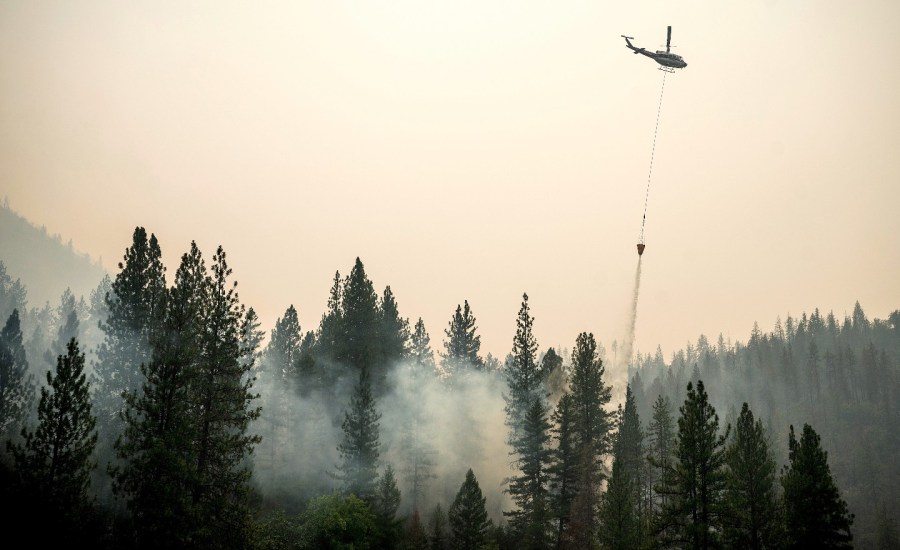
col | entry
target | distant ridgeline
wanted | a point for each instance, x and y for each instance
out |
(43, 262)
(840, 375)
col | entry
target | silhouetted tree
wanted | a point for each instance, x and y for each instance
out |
(394, 331)
(361, 320)
(815, 514)
(524, 377)
(358, 469)
(593, 426)
(420, 348)
(531, 521)
(750, 486)
(222, 397)
(136, 308)
(563, 470)
(462, 346)
(697, 480)
(157, 447)
(13, 294)
(622, 509)
(526, 416)
(661, 441)
(53, 463)
(468, 518)
(16, 383)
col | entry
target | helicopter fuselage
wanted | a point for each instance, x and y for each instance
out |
(666, 59)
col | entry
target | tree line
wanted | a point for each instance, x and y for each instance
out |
(183, 431)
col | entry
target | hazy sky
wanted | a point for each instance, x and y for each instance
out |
(475, 150)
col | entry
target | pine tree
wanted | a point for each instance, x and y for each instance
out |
(468, 518)
(438, 539)
(582, 527)
(361, 347)
(359, 449)
(661, 442)
(554, 373)
(420, 349)
(277, 381)
(53, 462)
(524, 376)
(387, 500)
(66, 321)
(593, 426)
(531, 521)
(462, 346)
(526, 416)
(223, 398)
(815, 514)
(12, 294)
(622, 510)
(96, 316)
(618, 513)
(157, 447)
(593, 423)
(16, 383)
(329, 339)
(750, 486)
(251, 339)
(394, 331)
(136, 307)
(693, 515)
(563, 471)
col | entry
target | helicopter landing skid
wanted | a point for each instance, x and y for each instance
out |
(670, 70)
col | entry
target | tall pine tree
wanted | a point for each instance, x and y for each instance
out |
(815, 514)
(593, 426)
(661, 442)
(563, 470)
(693, 515)
(223, 398)
(524, 377)
(361, 347)
(622, 510)
(54, 462)
(394, 331)
(528, 489)
(136, 307)
(526, 416)
(750, 486)
(157, 448)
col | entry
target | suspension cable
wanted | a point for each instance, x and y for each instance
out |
(652, 153)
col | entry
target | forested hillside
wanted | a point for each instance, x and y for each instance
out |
(156, 412)
(842, 375)
(39, 258)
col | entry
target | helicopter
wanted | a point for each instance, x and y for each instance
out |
(669, 61)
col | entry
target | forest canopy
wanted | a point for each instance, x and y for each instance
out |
(185, 424)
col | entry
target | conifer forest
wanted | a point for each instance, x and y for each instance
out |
(157, 412)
